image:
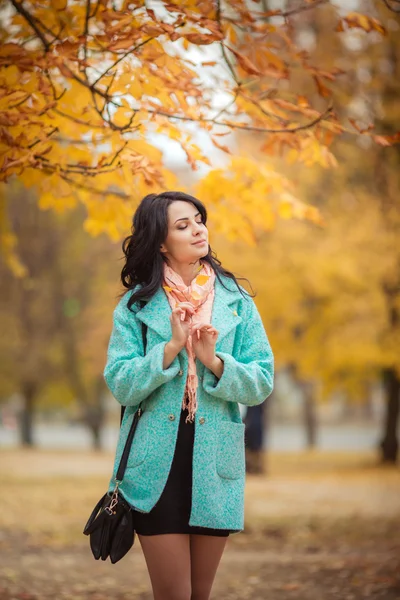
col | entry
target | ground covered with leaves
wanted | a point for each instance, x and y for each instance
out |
(319, 526)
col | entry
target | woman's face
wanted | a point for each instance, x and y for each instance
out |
(187, 239)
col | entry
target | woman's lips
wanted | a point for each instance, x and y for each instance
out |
(199, 242)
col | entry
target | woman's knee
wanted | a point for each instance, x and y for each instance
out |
(174, 591)
(168, 561)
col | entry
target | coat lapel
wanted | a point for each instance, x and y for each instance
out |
(224, 318)
(156, 314)
(157, 311)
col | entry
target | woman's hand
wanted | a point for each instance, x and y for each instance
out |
(180, 324)
(204, 338)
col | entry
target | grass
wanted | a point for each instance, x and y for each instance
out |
(347, 494)
(318, 525)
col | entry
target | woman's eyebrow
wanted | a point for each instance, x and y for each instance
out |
(186, 218)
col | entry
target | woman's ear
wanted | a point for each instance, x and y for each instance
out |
(163, 249)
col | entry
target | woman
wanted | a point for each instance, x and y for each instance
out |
(206, 351)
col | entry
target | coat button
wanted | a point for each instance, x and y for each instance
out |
(202, 420)
(171, 417)
(180, 373)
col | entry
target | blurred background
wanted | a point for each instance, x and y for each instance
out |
(286, 126)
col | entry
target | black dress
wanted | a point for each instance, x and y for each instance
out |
(172, 512)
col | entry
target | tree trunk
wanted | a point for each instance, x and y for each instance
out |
(95, 412)
(26, 416)
(309, 414)
(389, 444)
(96, 437)
(254, 436)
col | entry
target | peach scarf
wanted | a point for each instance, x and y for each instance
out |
(200, 294)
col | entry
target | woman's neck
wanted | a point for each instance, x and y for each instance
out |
(187, 271)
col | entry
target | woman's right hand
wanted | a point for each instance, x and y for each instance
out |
(180, 324)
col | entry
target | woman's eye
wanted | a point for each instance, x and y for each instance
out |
(185, 226)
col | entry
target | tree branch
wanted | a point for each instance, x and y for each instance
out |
(41, 140)
(300, 9)
(261, 109)
(233, 125)
(28, 17)
(75, 169)
(86, 33)
(230, 103)
(224, 55)
(122, 58)
(76, 120)
(90, 188)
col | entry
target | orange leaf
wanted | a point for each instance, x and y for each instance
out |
(387, 140)
(202, 279)
(245, 63)
(121, 44)
(303, 102)
(360, 129)
(220, 146)
(202, 39)
(360, 21)
(322, 89)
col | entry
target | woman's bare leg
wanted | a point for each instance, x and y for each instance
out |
(205, 554)
(168, 562)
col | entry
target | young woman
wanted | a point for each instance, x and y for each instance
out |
(206, 351)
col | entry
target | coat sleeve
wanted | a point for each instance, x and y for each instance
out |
(248, 377)
(131, 376)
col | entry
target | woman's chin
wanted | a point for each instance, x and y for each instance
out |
(202, 252)
(199, 252)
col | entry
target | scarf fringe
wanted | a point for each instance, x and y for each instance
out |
(190, 398)
(200, 294)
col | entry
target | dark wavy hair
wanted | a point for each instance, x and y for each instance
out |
(144, 262)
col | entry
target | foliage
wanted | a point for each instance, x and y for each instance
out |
(83, 84)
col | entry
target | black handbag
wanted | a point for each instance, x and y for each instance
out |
(111, 525)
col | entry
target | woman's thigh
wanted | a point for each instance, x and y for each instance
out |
(205, 555)
(168, 562)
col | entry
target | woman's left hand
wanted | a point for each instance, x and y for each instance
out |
(204, 338)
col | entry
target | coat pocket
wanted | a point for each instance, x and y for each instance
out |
(230, 450)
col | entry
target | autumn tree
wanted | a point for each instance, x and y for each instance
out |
(55, 319)
(330, 294)
(83, 85)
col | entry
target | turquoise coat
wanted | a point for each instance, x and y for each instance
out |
(218, 452)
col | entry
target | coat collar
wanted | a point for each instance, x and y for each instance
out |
(156, 313)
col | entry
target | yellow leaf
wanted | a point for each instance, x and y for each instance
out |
(59, 4)
(285, 210)
(47, 200)
(195, 295)
(202, 279)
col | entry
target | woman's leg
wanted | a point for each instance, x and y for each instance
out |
(168, 562)
(205, 554)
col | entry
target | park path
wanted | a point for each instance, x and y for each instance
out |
(318, 527)
(39, 573)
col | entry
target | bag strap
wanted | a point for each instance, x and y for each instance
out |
(144, 338)
(127, 448)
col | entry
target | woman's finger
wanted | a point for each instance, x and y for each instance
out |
(181, 313)
(203, 327)
(186, 306)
